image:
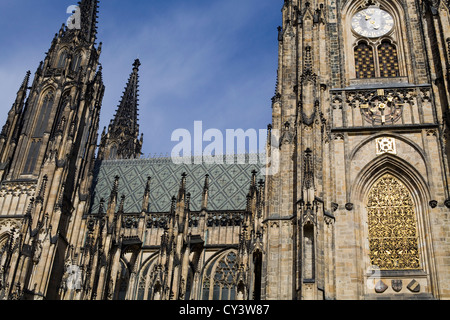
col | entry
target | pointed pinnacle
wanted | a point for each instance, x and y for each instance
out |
(137, 64)
(206, 185)
(25, 81)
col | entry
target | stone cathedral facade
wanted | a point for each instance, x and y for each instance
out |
(358, 208)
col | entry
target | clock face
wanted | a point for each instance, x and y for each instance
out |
(372, 22)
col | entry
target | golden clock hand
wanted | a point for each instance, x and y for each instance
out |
(375, 26)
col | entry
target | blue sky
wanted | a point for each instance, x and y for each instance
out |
(202, 60)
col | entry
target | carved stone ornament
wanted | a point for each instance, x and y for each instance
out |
(37, 252)
(381, 109)
(380, 106)
(288, 134)
(386, 145)
(334, 206)
(447, 203)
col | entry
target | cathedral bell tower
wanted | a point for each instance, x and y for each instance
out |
(361, 107)
(295, 204)
(47, 151)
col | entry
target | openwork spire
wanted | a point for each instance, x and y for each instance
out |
(122, 140)
(89, 18)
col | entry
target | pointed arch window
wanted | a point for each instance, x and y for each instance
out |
(113, 152)
(219, 282)
(122, 282)
(376, 61)
(62, 59)
(76, 62)
(393, 237)
(364, 61)
(141, 289)
(388, 60)
(41, 125)
(44, 115)
(146, 280)
(62, 113)
(32, 158)
(3, 249)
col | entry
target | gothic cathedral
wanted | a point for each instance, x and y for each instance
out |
(358, 208)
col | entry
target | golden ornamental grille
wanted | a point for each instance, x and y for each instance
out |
(364, 62)
(393, 240)
(388, 60)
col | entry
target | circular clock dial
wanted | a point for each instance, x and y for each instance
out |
(372, 22)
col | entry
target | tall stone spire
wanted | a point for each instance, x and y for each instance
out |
(51, 130)
(298, 116)
(127, 114)
(89, 17)
(10, 131)
(122, 140)
(19, 104)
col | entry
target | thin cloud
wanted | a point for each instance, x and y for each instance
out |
(201, 60)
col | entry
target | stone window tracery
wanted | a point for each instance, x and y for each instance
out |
(33, 155)
(76, 62)
(62, 60)
(219, 282)
(123, 282)
(3, 249)
(42, 123)
(44, 115)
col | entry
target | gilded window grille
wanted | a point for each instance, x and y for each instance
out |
(388, 60)
(393, 240)
(364, 61)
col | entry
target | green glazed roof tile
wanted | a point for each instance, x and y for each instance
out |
(228, 183)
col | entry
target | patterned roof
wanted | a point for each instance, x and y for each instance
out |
(228, 183)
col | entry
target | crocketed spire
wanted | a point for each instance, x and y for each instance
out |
(89, 18)
(122, 140)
